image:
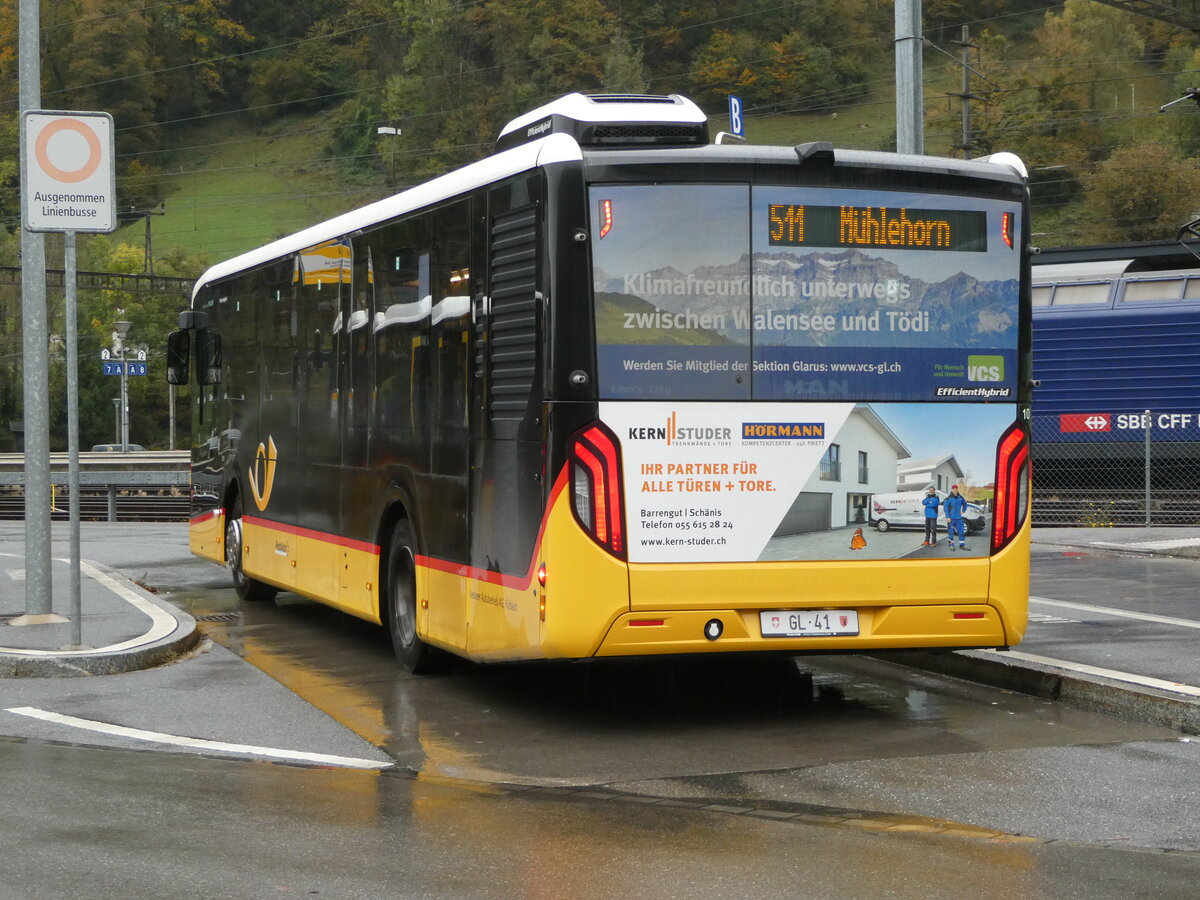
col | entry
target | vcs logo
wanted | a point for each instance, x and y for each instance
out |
(985, 368)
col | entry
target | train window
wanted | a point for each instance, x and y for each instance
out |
(1192, 291)
(1041, 295)
(1160, 289)
(1079, 294)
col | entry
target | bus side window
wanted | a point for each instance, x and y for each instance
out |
(400, 329)
(451, 276)
(276, 326)
(358, 341)
(320, 320)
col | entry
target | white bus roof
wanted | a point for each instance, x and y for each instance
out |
(551, 149)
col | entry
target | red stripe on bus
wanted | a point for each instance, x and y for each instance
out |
(521, 582)
(323, 536)
(518, 582)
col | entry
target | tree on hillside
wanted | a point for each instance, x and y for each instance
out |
(1056, 94)
(107, 64)
(1187, 120)
(440, 98)
(1141, 193)
(730, 63)
(191, 37)
(546, 48)
(625, 68)
(10, 175)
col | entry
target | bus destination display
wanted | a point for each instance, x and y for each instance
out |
(896, 228)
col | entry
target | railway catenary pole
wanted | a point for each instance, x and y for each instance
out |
(910, 104)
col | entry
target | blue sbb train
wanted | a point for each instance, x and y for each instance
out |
(1116, 347)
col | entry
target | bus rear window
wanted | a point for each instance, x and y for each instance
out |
(719, 292)
(672, 291)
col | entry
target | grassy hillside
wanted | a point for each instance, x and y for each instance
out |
(234, 188)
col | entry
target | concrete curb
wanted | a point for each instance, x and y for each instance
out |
(1128, 701)
(1178, 548)
(127, 656)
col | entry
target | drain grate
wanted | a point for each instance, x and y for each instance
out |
(219, 617)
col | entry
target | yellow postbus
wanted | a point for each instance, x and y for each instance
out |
(617, 389)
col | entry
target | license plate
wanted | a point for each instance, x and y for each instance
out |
(808, 622)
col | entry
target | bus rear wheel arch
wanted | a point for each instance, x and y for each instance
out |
(400, 597)
(247, 588)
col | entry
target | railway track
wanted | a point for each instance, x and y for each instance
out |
(149, 486)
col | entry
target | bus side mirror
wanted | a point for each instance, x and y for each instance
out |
(179, 345)
(208, 357)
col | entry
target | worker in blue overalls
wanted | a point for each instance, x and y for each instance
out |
(931, 502)
(954, 506)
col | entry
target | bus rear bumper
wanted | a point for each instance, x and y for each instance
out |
(880, 628)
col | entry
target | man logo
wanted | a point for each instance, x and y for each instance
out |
(264, 462)
(985, 368)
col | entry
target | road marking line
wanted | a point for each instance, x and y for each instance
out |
(1123, 613)
(158, 737)
(1174, 687)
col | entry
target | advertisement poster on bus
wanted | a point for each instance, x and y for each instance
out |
(721, 482)
(788, 293)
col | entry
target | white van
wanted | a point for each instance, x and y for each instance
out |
(904, 510)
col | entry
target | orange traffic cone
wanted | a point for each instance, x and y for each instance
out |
(858, 541)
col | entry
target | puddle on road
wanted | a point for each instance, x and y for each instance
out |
(595, 723)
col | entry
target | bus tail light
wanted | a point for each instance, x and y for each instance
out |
(1006, 228)
(1012, 486)
(595, 461)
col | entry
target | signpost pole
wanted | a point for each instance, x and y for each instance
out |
(68, 184)
(72, 334)
(35, 341)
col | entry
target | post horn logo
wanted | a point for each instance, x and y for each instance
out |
(264, 461)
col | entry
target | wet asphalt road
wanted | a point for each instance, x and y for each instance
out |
(657, 778)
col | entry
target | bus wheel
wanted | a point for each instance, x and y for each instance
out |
(413, 654)
(246, 587)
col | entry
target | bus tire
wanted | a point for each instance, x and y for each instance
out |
(246, 587)
(881, 525)
(413, 654)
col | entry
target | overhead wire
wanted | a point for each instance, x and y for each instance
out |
(829, 98)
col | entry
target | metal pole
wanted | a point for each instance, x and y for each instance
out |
(171, 404)
(72, 335)
(1147, 473)
(35, 342)
(966, 92)
(910, 105)
(124, 404)
(149, 249)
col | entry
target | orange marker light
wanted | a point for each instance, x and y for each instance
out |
(606, 218)
(1006, 228)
